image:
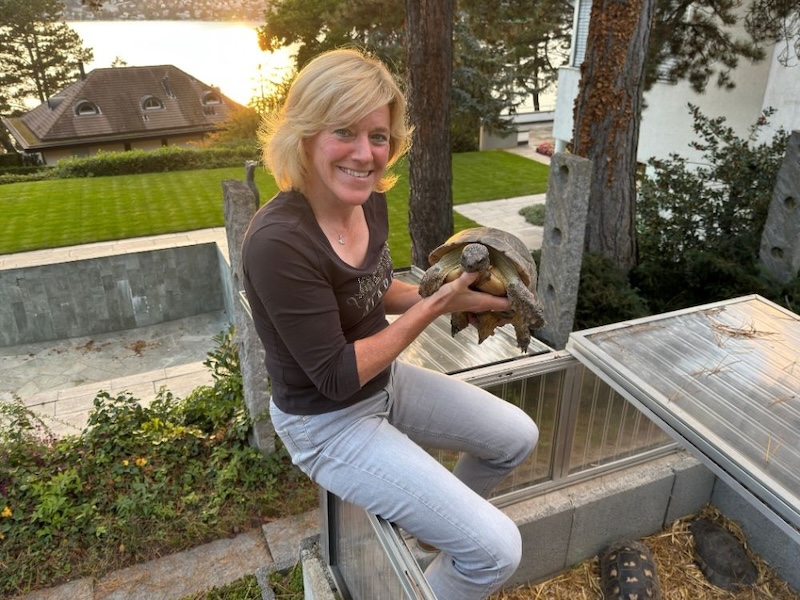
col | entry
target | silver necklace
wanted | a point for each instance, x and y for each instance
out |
(341, 239)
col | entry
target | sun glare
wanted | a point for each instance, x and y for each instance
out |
(222, 54)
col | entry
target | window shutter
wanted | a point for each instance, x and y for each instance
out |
(583, 16)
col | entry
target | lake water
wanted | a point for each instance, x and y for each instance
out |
(222, 54)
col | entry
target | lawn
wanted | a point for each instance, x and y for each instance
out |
(67, 212)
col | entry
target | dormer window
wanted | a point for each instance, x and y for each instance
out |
(211, 98)
(151, 103)
(85, 108)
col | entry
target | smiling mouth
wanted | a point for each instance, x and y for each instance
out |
(359, 174)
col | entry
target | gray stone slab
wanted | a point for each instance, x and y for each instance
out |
(545, 523)
(239, 207)
(763, 536)
(624, 506)
(284, 537)
(566, 526)
(80, 589)
(568, 187)
(202, 568)
(780, 240)
(317, 581)
(692, 487)
(110, 293)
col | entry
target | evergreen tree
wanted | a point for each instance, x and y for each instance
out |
(39, 53)
(697, 41)
(533, 39)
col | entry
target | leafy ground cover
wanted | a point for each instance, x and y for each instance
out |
(66, 212)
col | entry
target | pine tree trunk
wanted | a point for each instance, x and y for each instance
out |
(607, 121)
(429, 39)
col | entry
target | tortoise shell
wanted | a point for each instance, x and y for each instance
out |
(628, 572)
(720, 556)
(501, 241)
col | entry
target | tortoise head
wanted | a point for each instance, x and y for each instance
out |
(475, 258)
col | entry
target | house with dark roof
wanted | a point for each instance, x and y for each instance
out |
(119, 109)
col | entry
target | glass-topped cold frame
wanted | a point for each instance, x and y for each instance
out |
(723, 379)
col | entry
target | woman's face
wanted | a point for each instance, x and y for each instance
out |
(346, 163)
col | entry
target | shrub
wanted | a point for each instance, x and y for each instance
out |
(699, 228)
(534, 214)
(9, 160)
(720, 206)
(605, 295)
(29, 174)
(170, 158)
(22, 169)
(238, 130)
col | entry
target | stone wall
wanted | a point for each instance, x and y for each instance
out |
(107, 294)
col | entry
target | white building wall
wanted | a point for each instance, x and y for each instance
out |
(783, 93)
(666, 122)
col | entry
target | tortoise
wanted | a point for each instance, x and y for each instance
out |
(506, 268)
(628, 572)
(720, 556)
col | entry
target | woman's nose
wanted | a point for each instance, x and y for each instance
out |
(362, 148)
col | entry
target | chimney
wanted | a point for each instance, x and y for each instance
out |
(81, 70)
(166, 86)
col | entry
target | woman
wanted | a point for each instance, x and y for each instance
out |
(318, 277)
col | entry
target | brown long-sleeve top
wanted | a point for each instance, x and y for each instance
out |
(309, 306)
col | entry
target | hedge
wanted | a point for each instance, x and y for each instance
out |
(170, 158)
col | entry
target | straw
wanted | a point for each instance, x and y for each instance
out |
(679, 576)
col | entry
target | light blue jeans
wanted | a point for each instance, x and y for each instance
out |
(370, 454)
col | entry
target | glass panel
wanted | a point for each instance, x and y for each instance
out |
(539, 397)
(608, 428)
(723, 378)
(370, 558)
(360, 558)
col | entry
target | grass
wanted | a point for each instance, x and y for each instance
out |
(67, 212)
(246, 588)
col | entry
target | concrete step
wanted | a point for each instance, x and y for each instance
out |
(276, 546)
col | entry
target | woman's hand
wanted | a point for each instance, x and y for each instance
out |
(376, 352)
(457, 296)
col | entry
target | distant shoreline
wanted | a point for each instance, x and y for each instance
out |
(156, 10)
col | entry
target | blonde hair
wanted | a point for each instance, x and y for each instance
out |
(337, 88)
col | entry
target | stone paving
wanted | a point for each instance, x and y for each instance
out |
(504, 214)
(60, 379)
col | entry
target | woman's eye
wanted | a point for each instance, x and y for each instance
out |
(343, 133)
(380, 138)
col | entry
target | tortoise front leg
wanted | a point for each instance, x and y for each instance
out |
(527, 313)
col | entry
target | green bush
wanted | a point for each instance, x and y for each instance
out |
(30, 174)
(534, 214)
(720, 206)
(699, 227)
(137, 483)
(9, 160)
(22, 169)
(169, 158)
(605, 295)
